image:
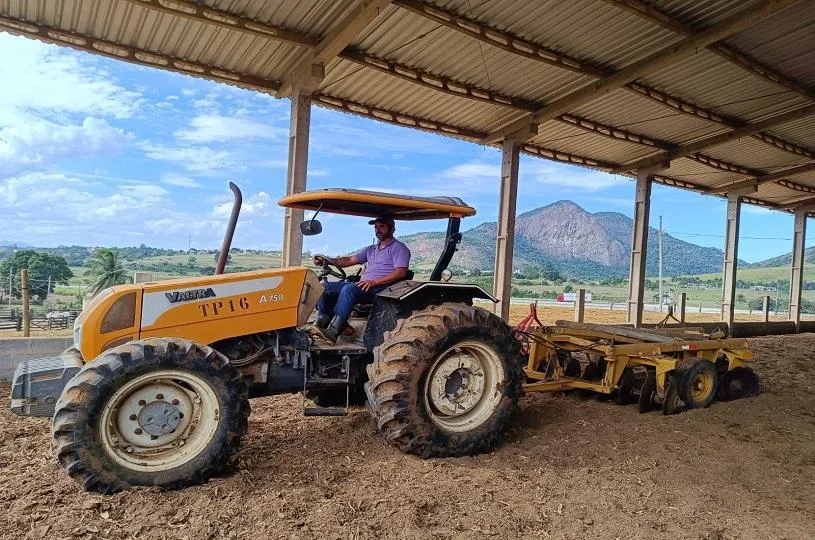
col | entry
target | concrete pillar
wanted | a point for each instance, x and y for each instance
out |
(296, 180)
(766, 309)
(639, 248)
(505, 240)
(731, 256)
(683, 298)
(797, 271)
(580, 306)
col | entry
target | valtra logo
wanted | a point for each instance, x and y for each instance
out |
(185, 296)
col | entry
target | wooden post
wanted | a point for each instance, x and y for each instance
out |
(682, 302)
(580, 305)
(26, 305)
(767, 308)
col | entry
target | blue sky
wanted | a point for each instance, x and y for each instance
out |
(95, 151)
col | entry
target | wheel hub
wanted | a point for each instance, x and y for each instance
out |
(154, 415)
(159, 418)
(456, 384)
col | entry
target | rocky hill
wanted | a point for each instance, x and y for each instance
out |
(575, 242)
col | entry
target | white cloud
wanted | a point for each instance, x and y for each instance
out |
(39, 143)
(38, 77)
(259, 204)
(201, 159)
(46, 209)
(180, 181)
(55, 104)
(569, 177)
(206, 128)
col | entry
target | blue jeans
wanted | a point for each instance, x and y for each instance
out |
(339, 298)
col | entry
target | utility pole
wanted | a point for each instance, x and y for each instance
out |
(660, 264)
(47, 292)
(10, 283)
(26, 312)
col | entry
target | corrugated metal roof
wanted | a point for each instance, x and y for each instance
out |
(529, 54)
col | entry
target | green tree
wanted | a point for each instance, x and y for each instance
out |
(41, 267)
(568, 289)
(105, 266)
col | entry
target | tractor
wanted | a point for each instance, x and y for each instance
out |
(156, 389)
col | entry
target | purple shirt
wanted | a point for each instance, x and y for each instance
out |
(382, 262)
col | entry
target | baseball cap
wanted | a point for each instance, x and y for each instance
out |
(387, 220)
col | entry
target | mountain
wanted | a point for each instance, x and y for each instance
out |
(6, 243)
(785, 260)
(573, 241)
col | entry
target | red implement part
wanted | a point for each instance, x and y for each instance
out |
(528, 322)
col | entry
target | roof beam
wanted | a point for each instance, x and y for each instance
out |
(678, 104)
(504, 40)
(197, 12)
(720, 138)
(435, 82)
(723, 165)
(651, 63)
(757, 181)
(805, 203)
(310, 69)
(521, 47)
(133, 55)
(653, 14)
(499, 38)
(396, 118)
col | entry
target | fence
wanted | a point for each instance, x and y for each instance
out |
(12, 319)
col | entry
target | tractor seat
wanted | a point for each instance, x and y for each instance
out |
(363, 311)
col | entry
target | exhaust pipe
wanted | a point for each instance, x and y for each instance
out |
(230, 229)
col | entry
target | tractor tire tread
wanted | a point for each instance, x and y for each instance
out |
(73, 430)
(393, 388)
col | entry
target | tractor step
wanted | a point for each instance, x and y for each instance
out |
(325, 411)
(316, 383)
(328, 383)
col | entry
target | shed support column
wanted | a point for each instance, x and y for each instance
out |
(505, 241)
(296, 179)
(731, 256)
(639, 247)
(796, 279)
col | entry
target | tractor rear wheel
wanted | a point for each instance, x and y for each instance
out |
(445, 381)
(157, 412)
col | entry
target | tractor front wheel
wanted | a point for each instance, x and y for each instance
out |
(445, 381)
(156, 412)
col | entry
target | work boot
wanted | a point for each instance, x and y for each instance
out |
(322, 320)
(334, 329)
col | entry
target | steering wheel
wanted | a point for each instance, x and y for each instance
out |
(330, 268)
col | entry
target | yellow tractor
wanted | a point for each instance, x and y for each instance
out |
(156, 389)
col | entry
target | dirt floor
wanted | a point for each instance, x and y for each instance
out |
(571, 467)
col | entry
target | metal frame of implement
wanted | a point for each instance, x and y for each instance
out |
(621, 348)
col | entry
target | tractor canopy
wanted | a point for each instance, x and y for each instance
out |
(374, 204)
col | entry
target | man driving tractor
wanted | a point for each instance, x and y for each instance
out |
(387, 262)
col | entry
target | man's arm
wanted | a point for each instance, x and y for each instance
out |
(342, 262)
(397, 275)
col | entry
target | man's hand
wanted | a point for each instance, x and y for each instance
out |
(366, 284)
